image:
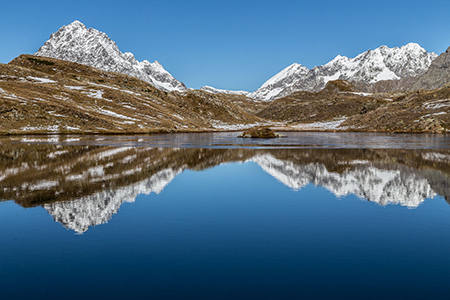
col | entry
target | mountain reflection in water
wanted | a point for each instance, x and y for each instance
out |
(83, 186)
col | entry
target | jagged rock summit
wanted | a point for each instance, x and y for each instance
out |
(437, 75)
(77, 43)
(372, 66)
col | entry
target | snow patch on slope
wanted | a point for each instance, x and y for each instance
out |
(213, 90)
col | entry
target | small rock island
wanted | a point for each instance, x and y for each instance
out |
(261, 133)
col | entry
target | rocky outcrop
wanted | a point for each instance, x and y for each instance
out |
(260, 133)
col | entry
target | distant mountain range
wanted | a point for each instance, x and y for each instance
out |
(78, 83)
(369, 67)
(76, 43)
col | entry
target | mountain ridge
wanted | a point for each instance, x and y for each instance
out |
(77, 43)
(382, 63)
(39, 94)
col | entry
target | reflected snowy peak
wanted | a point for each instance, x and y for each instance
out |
(84, 186)
(365, 181)
(96, 209)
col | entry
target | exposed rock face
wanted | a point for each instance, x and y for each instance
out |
(289, 80)
(369, 67)
(438, 73)
(91, 47)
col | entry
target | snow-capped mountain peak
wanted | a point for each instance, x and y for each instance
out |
(292, 70)
(75, 42)
(281, 83)
(382, 63)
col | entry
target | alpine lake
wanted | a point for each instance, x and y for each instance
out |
(212, 216)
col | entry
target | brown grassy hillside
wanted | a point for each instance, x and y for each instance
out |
(338, 99)
(49, 95)
(45, 95)
(418, 111)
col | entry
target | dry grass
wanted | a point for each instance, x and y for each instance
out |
(44, 95)
(337, 99)
(418, 111)
(41, 95)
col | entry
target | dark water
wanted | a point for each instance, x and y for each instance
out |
(115, 217)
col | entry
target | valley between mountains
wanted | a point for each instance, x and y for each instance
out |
(79, 82)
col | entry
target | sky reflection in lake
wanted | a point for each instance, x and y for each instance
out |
(223, 223)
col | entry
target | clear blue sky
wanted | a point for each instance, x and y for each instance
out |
(232, 44)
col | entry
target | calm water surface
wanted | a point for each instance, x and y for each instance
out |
(230, 140)
(311, 216)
